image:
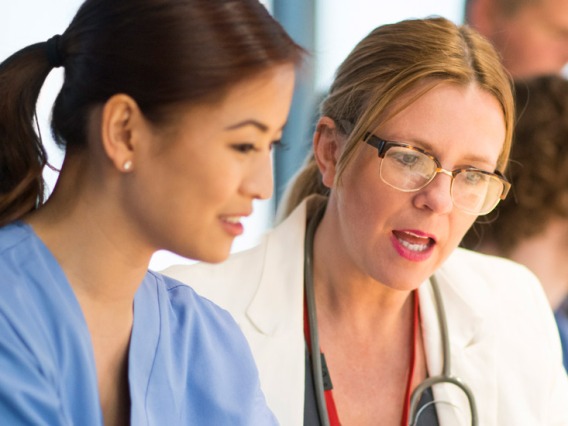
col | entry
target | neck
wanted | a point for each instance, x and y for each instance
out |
(92, 241)
(345, 296)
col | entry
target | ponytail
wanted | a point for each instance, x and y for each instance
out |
(22, 155)
(305, 183)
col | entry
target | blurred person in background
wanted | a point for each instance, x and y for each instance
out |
(530, 35)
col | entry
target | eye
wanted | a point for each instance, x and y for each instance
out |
(244, 148)
(407, 159)
(473, 177)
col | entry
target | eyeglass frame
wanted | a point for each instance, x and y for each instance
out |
(383, 145)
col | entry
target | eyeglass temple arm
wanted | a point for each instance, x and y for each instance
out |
(506, 185)
(375, 142)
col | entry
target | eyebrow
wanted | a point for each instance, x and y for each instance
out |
(430, 148)
(262, 127)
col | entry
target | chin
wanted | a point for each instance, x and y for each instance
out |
(208, 250)
(212, 254)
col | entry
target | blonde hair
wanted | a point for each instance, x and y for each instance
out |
(387, 64)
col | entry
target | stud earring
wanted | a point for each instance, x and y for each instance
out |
(127, 166)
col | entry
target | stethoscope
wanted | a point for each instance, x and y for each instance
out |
(316, 365)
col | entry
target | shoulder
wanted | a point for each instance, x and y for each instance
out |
(503, 298)
(211, 356)
(500, 321)
(183, 303)
(500, 296)
(15, 245)
(191, 323)
(478, 272)
(13, 234)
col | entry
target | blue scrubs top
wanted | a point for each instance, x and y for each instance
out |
(188, 361)
(561, 315)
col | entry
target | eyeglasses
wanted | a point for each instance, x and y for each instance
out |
(408, 169)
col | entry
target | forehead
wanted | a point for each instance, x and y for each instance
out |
(267, 95)
(449, 120)
(261, 101)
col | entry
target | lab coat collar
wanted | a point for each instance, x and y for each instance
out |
(278, 283)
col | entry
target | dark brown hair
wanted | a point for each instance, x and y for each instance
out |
(539, 167)
(162, 53)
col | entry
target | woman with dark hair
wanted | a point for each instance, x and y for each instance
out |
(167, 114)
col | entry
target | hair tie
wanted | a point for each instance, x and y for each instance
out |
(53, 50)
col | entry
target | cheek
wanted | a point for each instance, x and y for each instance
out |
(460, 225)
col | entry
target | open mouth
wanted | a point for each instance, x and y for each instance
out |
(232, 219)
(414, 242)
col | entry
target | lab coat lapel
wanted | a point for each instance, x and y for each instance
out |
(280, 292)
(472, 343)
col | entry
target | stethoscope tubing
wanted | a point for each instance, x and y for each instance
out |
(312, 317)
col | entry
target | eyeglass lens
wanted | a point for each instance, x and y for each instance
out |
(407, 169)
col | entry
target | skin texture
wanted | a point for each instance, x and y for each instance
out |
(362, 281)
(104, 221)
(533, 40)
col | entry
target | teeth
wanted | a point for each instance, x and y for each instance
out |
(233, 219)
(413, 247)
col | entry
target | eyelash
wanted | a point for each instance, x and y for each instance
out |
(245, 148)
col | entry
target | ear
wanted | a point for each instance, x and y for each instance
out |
(326, 149)
(120, 116)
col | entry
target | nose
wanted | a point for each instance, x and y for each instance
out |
(259, 182)
(436, 195)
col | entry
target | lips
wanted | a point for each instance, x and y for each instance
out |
(415, 246)
(232, 224)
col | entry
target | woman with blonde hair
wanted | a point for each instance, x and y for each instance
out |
(410, 148)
